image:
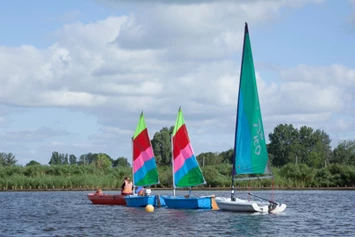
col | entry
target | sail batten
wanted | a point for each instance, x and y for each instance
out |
(145, 172)
(250, 153)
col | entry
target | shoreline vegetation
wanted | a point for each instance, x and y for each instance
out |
(301, 159)
(185, 189)
(90, 177)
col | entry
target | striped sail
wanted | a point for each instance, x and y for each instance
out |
(185, 167)
(250, 154)
(145, 171)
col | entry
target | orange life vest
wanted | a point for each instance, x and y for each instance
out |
(127, 187)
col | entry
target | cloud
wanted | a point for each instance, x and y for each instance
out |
(157, 58)
(319, 89)
(195, 30)
(32, 135)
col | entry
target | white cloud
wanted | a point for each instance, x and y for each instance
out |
(320, 89)
(334, 74)
(163, 56)
(32, 134)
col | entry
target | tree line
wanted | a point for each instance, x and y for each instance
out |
(300, 158)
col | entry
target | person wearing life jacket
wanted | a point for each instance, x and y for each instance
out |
(127, 187)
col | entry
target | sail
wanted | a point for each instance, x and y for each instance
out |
(185, 167)
(250, 154)
(145, 171)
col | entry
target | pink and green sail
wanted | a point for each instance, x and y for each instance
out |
(145, 172)
(186, 170)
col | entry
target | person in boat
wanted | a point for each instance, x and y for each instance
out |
(99, 192)
(127, 187)
(140, 191)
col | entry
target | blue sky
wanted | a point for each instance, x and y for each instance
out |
(75, 75)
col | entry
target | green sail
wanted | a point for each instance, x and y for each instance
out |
(250, 156)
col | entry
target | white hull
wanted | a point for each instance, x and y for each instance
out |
(240, 205)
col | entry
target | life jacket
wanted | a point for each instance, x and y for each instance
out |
(127, 187)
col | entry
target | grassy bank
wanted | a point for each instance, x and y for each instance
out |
(88, 177)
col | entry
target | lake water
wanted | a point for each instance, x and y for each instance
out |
(308, 213)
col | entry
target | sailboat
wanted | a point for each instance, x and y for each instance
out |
(186, 171)
(250, 157)
(145, 172)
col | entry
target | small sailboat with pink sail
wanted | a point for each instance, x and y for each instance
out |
(145, 172)
(186, 171)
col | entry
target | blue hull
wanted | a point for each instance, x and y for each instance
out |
(188, 203)
(143, 201)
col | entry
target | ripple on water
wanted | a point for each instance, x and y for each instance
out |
(309, 213)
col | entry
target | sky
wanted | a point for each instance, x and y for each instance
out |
(75, 75)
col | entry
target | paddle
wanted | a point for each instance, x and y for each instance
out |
(275, 203)
(213, 203)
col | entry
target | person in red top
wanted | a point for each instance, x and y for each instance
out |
(127, 187)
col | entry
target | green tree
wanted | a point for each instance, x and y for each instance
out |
(72, 159)
(58, 158)
(87, 159)
(307, 144)
(65, 159)
(208, 158)
(161, 144)
(227, 156)
(103, 161)
(55, 159)
(32, 162)
(344, 153)
(121, 162)
(7, 159)
(325, 147)
(283, 141)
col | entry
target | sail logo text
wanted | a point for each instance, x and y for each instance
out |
(259, 135)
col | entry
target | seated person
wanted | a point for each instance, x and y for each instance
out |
(99, 192)
(140, 191)
(127, 187)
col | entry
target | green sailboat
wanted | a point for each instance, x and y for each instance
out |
(250, 157)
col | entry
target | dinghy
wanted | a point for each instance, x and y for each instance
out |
(250, 157)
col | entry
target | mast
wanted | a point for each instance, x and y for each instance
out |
(172, 163)
(133, 165)
(246, 31)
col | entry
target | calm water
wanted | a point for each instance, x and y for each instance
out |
(309, 213)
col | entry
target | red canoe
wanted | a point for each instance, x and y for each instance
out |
(108, 199)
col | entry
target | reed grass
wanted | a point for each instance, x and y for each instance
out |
(89, 177)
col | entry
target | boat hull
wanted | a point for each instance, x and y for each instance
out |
(143, 201)
(188, 203)
(107, 199)
(240, 205)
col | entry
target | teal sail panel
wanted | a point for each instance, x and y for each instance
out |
(250, 153)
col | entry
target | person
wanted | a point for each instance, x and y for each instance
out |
(127, 187)
(140, 191)
(99, 192)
